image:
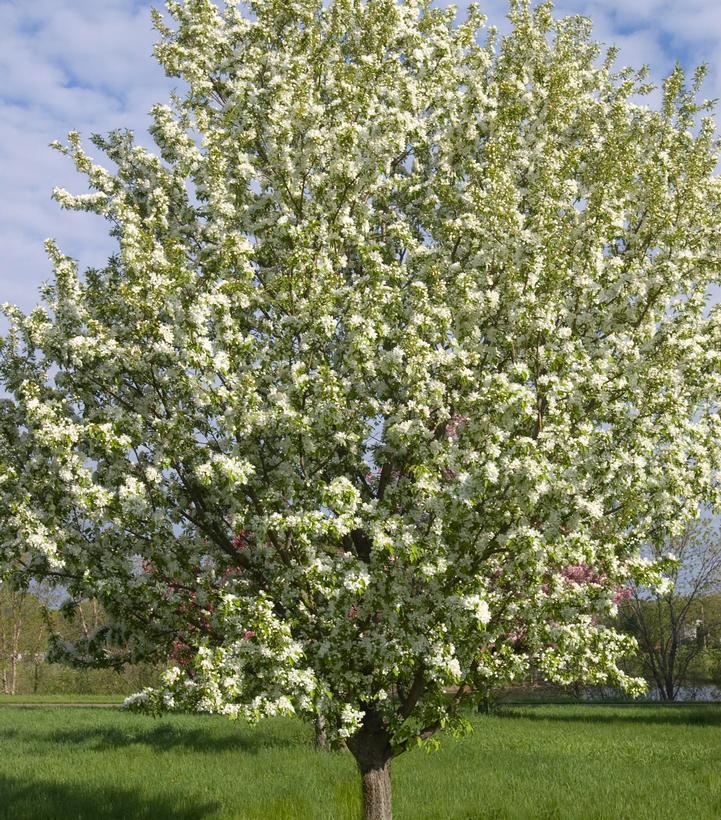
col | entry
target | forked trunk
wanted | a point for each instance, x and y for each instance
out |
(372, 750)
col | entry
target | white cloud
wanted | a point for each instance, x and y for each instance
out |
(64, 64)
(87, 65)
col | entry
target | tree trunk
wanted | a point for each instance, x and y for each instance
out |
(372, 750)
(377, 793)
(484, 705)
(321, 737)
(15, 650)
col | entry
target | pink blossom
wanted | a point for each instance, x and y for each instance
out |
(581, 574)
(454, 424)
(181, 653)
(621, 594)
(248, 634)
(240, 541)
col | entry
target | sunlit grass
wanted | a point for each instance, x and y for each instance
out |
(573, 762)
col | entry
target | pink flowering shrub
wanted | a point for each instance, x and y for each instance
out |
(582, 574)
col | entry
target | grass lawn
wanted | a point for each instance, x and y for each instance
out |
(534, 762)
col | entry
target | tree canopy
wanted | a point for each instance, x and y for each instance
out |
(404, 352)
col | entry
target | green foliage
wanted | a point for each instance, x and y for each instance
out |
(26, 624)
(59, 679)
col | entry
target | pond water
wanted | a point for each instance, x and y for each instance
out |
(703, 693)
(700, 693)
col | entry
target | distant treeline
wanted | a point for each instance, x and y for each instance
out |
(27, 619)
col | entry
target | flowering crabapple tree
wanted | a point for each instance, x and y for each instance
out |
(404, 352)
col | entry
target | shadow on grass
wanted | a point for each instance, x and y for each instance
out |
(163, 738)
(43, 800)
(680, 714)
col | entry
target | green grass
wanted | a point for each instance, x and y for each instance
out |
(535, 762)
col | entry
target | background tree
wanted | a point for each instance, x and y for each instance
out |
(404, 352)
(677, 625)
(11, 630)
(23, 638)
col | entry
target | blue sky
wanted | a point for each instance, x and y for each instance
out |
(87, 65)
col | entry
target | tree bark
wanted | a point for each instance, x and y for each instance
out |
(15, 650)
(321, 737)
(372, 750)
(377, 793)
(485, 706)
